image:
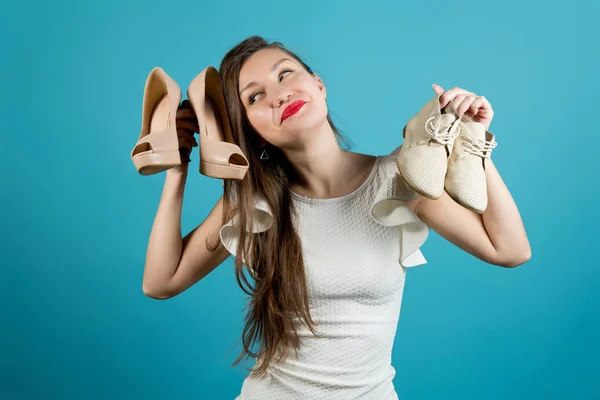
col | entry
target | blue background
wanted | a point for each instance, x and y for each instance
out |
(76, 216)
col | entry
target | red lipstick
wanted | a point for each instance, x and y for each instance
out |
(292, 109)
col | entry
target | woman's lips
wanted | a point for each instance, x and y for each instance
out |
(292, 109)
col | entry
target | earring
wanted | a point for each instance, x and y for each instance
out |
(264, 155)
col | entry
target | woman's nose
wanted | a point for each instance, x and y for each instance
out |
(282, 96)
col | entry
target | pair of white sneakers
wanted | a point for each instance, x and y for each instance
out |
(443, 151)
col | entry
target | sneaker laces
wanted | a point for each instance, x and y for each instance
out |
(447, 135)
(478, 147)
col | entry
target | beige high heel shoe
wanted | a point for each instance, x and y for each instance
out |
(157, 148)
(219, 156)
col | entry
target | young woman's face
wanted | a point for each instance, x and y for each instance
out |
(270, 82)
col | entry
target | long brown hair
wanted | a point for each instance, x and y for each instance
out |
(279, 294)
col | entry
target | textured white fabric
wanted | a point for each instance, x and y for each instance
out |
(356, 250)
(263, 220)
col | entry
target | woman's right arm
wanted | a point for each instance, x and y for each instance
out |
(173, 263)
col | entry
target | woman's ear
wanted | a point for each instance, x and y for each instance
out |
(321, 85)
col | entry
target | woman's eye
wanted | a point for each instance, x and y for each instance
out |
(252, 98)
(283, 72)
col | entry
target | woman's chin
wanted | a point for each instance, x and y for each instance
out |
(304, 120)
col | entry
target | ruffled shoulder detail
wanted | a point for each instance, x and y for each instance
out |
(230, 232)
(389, 209)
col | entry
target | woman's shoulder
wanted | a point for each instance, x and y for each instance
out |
(385, 163)
(369, 160)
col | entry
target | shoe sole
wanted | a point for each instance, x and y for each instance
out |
(153, 163)
(222, 171)
(460, 203)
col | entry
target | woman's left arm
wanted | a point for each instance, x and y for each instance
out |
(497, 236)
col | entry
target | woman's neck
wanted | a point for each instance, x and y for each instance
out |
(324, 170)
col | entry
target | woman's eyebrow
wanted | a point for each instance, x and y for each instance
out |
(273, 68)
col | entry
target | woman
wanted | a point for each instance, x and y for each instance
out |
(331, 232)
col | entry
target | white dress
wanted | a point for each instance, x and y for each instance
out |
(356, 249)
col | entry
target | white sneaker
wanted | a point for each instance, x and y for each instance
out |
(465, 179)
(428, 140)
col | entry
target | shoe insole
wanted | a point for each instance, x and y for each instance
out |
(159, 118)
(159, 121)
(215, 126)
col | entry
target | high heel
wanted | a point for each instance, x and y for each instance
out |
(157, 148)
(219, 156)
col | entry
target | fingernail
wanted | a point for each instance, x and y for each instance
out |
(433, 85)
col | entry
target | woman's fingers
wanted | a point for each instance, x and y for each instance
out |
(476, 105)
(185, 141)
(183, 113)
(185, 104)
(189, 125)
(183, 134)
(185, 110)
(450, 94)
(465, 104)
(457, 100)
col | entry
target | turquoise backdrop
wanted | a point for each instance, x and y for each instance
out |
(75, 215)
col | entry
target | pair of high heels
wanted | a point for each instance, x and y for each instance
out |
(157, 148)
